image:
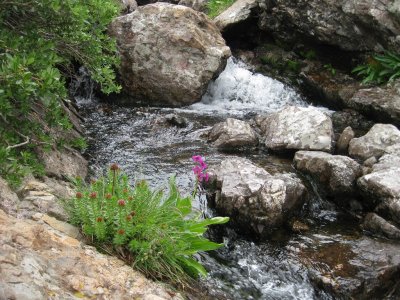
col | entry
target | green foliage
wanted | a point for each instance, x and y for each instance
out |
(161, 232)
(39, 42)
(330, 68)
(380, 68)
(215, 7)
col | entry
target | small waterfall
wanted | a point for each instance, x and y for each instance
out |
(237, 91)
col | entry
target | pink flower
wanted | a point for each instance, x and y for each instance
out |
(199, 169)
(121, 202)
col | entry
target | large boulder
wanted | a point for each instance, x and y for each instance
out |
(374, 143)
(298, 128)
(335, 174)
(169, 53)
(233, 133)
(255, 199)
(351, 25)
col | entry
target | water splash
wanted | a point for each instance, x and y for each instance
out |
(238, 91)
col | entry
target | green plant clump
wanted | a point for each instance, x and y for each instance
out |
(40, 40)
(215, 7)
(380, 68)
(159, 234)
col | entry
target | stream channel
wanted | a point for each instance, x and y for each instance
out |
(332, 260)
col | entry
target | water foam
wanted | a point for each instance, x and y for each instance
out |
(237, 90)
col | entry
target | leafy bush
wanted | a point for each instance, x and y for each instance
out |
(159, 233)
(215, 7)
(380, 68)
(40, 40)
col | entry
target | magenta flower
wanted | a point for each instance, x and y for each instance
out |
(200, 169)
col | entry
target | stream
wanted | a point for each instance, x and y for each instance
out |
(332, 260)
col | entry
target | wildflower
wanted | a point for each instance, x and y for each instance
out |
(125, 191)
(108, 196)
(199, 169)
(121, 231)
(99, 219)
(93, 195)
(132, 213)
(121, 202)
(114, 167)
(130, 198)
(129, 218)
(79, 195)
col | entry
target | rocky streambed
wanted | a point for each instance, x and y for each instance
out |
(300, 225)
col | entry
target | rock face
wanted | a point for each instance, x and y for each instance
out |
(169, 53)
(199, 5)
(233, 133)
(238, 12)
(298, 128)
(255, 199)
(349, 24)
(374, 142)
(38, 262)
(336, 174)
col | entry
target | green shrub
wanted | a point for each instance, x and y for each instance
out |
(215, 7)
(40, 40)
(160, 233)
(380, 68)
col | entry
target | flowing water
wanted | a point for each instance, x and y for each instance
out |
(287, 266)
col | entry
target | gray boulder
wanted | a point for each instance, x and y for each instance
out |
(335, 174)
(298, 128)
(233, 133)
(169, 53)
(348, 24)
(255, 199)
(199, 5)
(374, 143)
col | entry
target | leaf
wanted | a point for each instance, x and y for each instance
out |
(184, 205)
(194, 266)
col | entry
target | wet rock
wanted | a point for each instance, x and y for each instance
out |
(374, 142)
(176, 120)
(299, 227)
(199, 5)
(379, 226)
(354, 267)
(39, 263)
(335, 174)
(256, 200)
(169, 53)
(350, 25)
(238, 12)
(381, 103)
(298, 128)
(342, 144)
(233, 133)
